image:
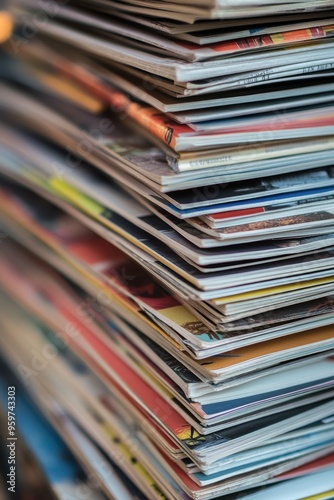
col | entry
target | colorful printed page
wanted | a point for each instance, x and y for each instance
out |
(261, 354)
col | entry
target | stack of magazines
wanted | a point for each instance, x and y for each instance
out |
(167, 241)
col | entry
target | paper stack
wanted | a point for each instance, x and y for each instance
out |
(166, 269)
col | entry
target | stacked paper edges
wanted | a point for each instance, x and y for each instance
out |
(168, 241)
